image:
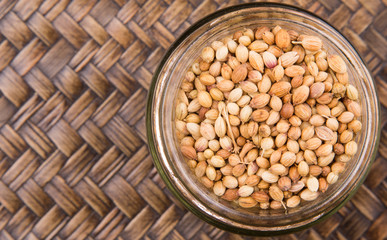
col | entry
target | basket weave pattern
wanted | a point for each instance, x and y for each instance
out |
(73, 82)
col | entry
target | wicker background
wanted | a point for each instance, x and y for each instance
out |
(73, 157)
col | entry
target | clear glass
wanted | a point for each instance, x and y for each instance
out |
(169, 160)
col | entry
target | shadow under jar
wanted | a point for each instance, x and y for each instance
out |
(164, 145)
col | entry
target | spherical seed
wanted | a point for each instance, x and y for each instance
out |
(332, 178)
(308, 195)
(351, 148)
(278, 169)
(346, 117)
(312, 184)
(269, 177)
(355, 126)
(288, 158)
(221, 53)
(267, 143)
(245, 191)
(352, 92)
(276, 193)
(293, 201)
(230, 182)
(284, 183)
(303, 168)
(326, 160)
(262, 162)
(238, 170)
(247, 202)
(337, 64)
(324, 150)
(242, 53)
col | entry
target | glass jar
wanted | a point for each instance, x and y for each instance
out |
(165, 148)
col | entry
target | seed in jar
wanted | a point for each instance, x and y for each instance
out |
(268, 117)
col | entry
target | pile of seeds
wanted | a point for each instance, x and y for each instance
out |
(267, 118)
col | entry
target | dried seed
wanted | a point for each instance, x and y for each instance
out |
(324, 133)
(205, 99)
(239, 74)
(351, 148)
(282, 38)
(297, 187)
(242, 53)
(277, 169)
(288, 158)
(294, 70)
(288, 59)
(332, 178)
(346, 117)
(268, 37)
(284, 183)
(230, 182)
(311, 43)
(337, 64)
(221, 53)
(245, 191)
(293, 201)
(247, 202)
(260, 196)
(308, 195)
(324, 150)
(303, 111)
(258, 46)
(352, 92)
(260, 115)
(280, 89)
(276, 193)
(269, 177)
(312, 184)
(225, 85)
(269, 59)
(323, 185)
(300, 94)
(260, 100)
(316, 90)
(326, 160)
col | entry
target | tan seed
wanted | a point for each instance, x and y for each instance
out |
(311, 43)
(269, 177)
(245, 191)
(239, 74)
(351, 148)
(294, 70)
(280, 89)
(260, 100)
(337, 64)
(312, 184)
(308, 195)
(260, 196)
(247, 202)
(256, 61)
(288, 59)
(276, 193)
(282, 38)
(300, 94)
(316, 90)
(293, 201)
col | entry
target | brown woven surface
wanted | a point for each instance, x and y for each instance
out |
(73, 157)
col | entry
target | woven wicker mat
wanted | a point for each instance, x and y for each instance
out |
(73, 157)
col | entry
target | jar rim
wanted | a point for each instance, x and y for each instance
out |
(152, 118)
